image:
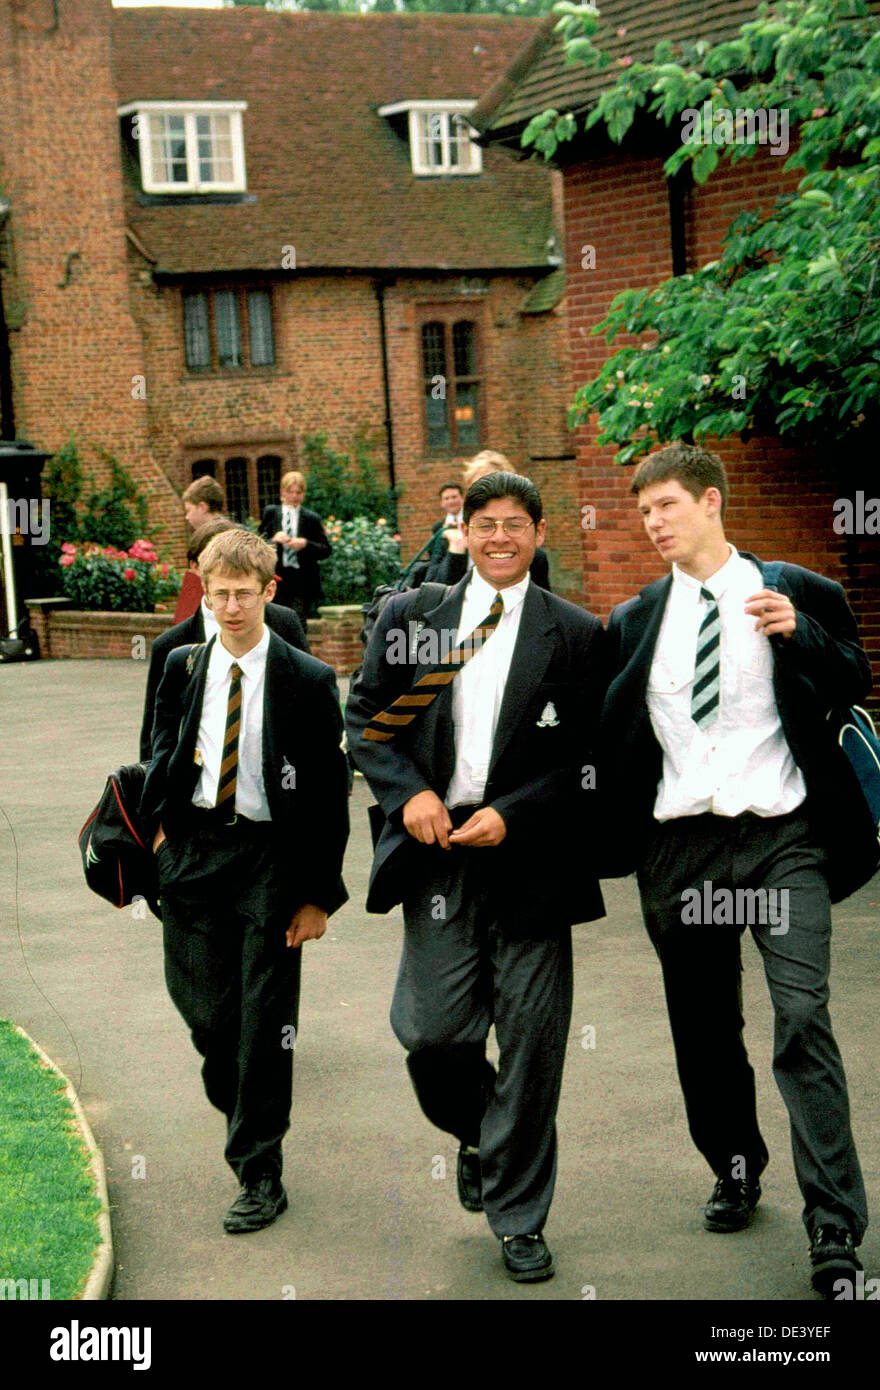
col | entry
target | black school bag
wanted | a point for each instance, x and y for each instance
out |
(118, 861)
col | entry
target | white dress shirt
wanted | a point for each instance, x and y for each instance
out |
(478, 689)
(250, 792)
(742, 762)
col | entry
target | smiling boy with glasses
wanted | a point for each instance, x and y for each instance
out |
(247, 798)
(480, 761)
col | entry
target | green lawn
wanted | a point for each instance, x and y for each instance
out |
(48, 1207)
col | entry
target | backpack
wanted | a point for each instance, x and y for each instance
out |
(118, 861)
(856, 733)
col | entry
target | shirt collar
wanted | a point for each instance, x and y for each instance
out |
(511, 596)
(251, 663)
(717, 583)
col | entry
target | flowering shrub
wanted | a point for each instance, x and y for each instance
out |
(365, 553)
(123, 581)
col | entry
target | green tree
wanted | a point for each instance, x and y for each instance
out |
(782, 333)
(345, 488)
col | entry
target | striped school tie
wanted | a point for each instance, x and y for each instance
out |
(384, 725)
(707, 671)
(229, 764)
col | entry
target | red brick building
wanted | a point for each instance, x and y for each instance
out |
(231, 229)
(618, 201)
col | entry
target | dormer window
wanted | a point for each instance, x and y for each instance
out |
(189, 147)
(440, 136)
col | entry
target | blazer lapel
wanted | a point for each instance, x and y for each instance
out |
(279, 697)
(531, 657)
(642, 629)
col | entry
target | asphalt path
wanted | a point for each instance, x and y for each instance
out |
(373, 1211)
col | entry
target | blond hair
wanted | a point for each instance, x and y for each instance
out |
(486, 461)
(238, 552)
(293, 479)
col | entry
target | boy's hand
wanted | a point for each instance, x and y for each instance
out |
(427, 819)
(485, 827)
(158, 838)
(307, 924)
(775, 613)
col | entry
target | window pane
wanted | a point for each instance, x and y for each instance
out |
(433, 349)
(437, 418)
(466, 421)
(195, 331)
(237, 489)
(260, 326)
(431, 125)
(460, 147)
(214, 142)
(204, 467)
(168, 149)
(268, 481)
(228, 328)
(463, 350)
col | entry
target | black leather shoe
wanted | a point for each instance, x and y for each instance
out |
(468, 1177)
(257, 1205)
(833, 1257)
(527, 1259)
(732, 1204)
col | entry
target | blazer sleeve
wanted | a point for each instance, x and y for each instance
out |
(825, 644)
(318, 869)
(312, 531)
(166, 730)
(158, 657)
(388, 767)
(270, 523)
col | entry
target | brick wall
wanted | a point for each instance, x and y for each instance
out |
(75, 347)
(781, 506)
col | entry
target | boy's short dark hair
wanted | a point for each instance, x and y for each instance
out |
(206, 532)
(695, 468)
(513, 485)
(206, 489)
(458, 487)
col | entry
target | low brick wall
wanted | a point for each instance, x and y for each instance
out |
(334, 636)
(65, 632)
(72, 632)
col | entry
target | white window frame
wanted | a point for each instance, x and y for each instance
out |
(190, 110)
(447, 110)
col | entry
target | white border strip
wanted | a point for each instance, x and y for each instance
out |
(99, 1281)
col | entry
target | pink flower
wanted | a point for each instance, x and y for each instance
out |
(819, 111)
(621, 33)
(67, 560)
(625, 62)
(68, 548)
(129, 574)
(397, 536)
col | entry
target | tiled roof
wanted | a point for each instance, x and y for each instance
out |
(330, 176)
(540, 77)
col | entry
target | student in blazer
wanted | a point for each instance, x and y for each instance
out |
(720, 770)
(486, 842)
(300, 582)
(246, 799)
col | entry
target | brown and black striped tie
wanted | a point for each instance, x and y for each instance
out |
(229, 764)
(384, 725)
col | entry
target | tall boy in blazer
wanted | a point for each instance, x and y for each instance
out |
(721, 772)
(487, 799)
(301, 543)
(247, 799)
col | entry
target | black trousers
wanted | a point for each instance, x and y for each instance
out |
(461, 971)
(235, 980)
(290, 593)
(690, 860)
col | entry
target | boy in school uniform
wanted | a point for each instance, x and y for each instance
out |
(247, 800)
